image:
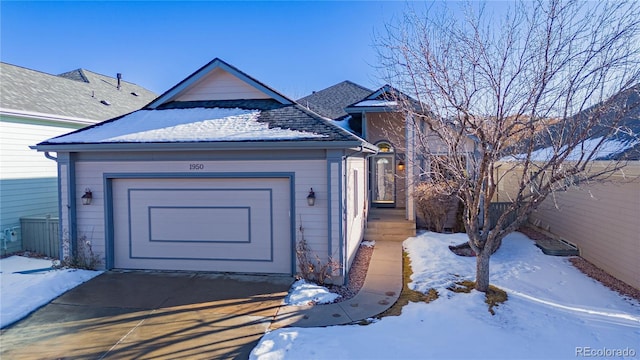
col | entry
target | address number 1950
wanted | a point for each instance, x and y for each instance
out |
(196, 166)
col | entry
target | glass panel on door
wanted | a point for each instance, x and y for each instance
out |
(383, 179)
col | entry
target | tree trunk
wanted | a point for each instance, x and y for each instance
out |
(482, 270)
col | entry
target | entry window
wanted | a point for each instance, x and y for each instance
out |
(385, 147)
(383, 175)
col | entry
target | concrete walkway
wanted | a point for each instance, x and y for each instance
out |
(380, 291)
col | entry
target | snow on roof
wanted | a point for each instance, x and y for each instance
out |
(182, 125)
(344, 123)
(607, 150)
(376, 103)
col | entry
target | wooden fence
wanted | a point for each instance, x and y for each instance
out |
(496, 209)
(40, 234)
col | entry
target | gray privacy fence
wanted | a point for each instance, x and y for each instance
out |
(496, 209)
(40, 234)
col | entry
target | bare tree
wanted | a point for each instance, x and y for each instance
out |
(529, 90)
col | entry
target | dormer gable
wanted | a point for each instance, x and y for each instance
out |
(385, 99)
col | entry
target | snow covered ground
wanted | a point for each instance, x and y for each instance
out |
(22, 291)
(553, 311)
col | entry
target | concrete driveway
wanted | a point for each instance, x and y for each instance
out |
(150, 315)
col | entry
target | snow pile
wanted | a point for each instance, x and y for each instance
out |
(23, 293)
(305, 293)
(368, 243)
(553, 311)
(197, 124)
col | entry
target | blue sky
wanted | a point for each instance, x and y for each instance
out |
(294, 47)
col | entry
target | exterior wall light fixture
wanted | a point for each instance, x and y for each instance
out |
(400, 165)
(311, 198)
(87, 197)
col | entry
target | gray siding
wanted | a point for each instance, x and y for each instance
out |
(308, 174)
(356, 200)
(28, 180)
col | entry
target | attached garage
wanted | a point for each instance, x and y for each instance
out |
(204, 224)
(213, 175)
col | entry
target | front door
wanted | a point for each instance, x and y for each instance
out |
(383, 180)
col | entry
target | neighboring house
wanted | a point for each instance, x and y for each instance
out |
(35, 106)
(216, 174)
(601, 219)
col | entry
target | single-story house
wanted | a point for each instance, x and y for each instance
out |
(219, 173)
(35, 106)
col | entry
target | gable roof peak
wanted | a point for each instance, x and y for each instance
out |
(384, 99)
(355, 84)
(77, 75)
(331, 102)
(205, 72)
(385, 91)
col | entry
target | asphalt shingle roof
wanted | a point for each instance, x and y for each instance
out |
(332, 101)
(629, 124)
(276, 115)
(78, 93)
(618, 122)
(293, 117)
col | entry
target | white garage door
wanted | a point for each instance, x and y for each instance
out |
(231, 225)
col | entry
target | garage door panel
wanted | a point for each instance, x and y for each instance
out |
(200, 224)
(204, 224)
(224, 234)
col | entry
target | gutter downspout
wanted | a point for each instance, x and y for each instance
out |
(60, 227)
(50, 157)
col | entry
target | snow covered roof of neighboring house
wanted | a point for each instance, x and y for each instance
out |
(629, 126)
(610, 149)
(622, 144)
(80, 94)
(332, 101)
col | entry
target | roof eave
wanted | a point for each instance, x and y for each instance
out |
(46, 117)
(190, 146)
